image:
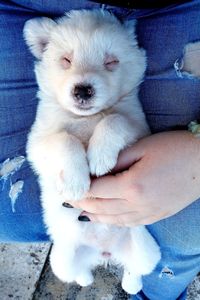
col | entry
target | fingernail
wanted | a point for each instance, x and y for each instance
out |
(83, 219)
(67, 205)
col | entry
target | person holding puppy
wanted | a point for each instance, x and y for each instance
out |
(156, 182)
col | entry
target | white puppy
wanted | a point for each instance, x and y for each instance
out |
(88, 70)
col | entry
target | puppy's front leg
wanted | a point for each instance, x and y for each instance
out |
(74, 178)
(111, 135)
(60, 158)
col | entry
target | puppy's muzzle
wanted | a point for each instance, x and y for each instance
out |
(83, 93)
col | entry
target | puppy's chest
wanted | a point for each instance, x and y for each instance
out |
(83, 128)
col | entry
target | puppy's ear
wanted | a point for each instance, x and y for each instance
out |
(36, 33)
(130, 28)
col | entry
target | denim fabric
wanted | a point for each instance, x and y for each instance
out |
(167, 98)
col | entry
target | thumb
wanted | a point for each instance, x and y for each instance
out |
(128, 157)
(111, 186)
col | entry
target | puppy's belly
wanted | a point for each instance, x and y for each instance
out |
(106, 238)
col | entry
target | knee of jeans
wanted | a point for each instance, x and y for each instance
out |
(19, 189)
(20, 207)
(7, 169)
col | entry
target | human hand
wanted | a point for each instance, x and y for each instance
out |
(155, 179)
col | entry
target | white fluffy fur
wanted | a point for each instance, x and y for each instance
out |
(67, 143)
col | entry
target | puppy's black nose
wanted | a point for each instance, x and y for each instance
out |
(84, 92)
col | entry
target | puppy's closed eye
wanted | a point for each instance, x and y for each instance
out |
(111, 62)
(66, 62)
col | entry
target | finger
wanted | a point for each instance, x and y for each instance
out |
(128, 157)
(122, 220)
(110, 186)
(104, 206)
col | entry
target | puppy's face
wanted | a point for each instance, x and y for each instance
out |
(88, 60)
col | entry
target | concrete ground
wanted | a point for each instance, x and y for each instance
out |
(25, 274)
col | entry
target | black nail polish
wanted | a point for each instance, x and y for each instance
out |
(67, 205)
(83, 219)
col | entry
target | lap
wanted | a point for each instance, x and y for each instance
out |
(167, 99)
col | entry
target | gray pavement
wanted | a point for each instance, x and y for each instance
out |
(25, 274)
(20, 268)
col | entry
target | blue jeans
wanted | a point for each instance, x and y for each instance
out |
(167, 98)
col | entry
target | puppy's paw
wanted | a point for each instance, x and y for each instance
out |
(73, 185)
(101, 161)
(62, 268)
(131, 284)
(85, 279)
